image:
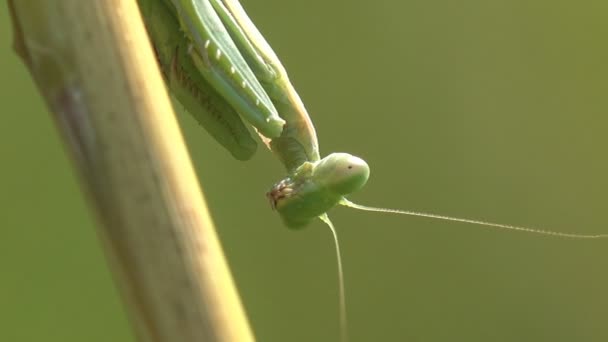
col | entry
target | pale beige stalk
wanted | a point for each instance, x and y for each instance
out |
(92, 62)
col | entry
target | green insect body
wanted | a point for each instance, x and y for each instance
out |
(313, 185)
(187, 36)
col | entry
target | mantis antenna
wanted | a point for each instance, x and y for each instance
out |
(350, 204)
(341, 287)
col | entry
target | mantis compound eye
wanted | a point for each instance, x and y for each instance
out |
(342, 173)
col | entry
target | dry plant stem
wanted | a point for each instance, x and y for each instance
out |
(92, 62)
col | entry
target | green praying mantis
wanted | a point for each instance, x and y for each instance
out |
(221, 69)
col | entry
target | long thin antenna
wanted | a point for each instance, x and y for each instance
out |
(342, 294)
(350, 204)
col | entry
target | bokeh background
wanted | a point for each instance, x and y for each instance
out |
(493, 110)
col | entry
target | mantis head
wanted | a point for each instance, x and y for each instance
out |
(316, 187)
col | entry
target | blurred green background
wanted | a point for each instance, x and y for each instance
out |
(493, 110)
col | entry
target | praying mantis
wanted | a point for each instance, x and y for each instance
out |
(221, 69)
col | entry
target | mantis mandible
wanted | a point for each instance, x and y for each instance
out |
(221, 69)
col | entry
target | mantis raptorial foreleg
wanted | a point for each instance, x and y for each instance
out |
(188, 86)
(220, 62)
